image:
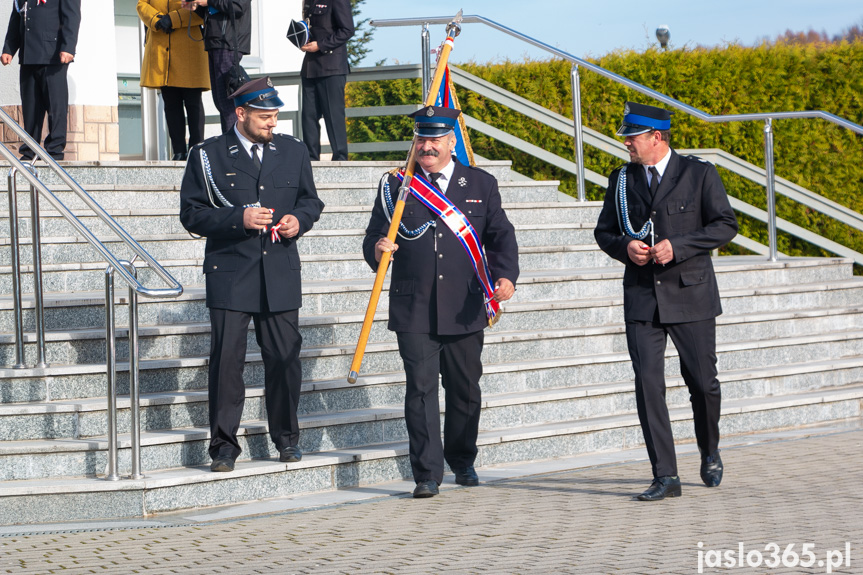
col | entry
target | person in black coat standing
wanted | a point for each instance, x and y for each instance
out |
(45, 35)
(436, 303)
(662, 215)
(235, 188)
(324, 72)
(224, 33)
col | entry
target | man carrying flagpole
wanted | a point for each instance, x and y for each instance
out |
(457, 260)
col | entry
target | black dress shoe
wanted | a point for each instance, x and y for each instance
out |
(427, 488)
(466, 476)
(662, 487)
(290, 454)
(222, 463)
(711, 470)
(180, 157)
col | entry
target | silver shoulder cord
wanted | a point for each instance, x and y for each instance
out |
(212, 187)
(387, 201)
(623, 213)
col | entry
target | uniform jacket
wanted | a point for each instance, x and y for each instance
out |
(173, 59)
(691, 210)
(218, 33)
(240, 265)
(433, 288)
(331, 25)
(45, 31)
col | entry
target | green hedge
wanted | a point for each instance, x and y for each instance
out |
(815, 154)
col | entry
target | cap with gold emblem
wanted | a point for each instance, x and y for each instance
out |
(258, 93)
(434, 121)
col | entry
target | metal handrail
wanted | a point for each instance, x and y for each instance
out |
(767, 117)
(175, 290)
(701, 115)
(126, 269)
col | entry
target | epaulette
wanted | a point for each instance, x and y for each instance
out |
(698, 158)
(204, 143)
(290, 137)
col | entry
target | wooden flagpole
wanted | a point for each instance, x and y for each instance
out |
(452, 30)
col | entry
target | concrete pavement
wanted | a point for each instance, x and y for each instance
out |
(577, 515)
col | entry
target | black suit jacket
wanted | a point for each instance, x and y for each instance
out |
(218, 31)
(691, 210)
(47, 30)
(433, 288)
(242, 265)
(331, 25)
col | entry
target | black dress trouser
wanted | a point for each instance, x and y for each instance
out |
(279, 338)
(325, 98)
(696, 346)
(457, 358)
(44, 90)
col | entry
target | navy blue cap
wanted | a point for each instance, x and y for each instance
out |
(641, 118)
(434, 121)
(258, 93)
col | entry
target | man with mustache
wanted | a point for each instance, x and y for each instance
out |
(437, 305)
(250, 192)
(663, 213)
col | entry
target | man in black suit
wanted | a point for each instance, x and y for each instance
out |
(45, 34)
(234, 188)
(437, 305)
(324, 71)
(662, 215)
(224, 33)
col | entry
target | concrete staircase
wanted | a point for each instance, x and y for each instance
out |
(557, 375)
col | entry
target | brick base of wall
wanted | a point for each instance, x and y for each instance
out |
(93, 132)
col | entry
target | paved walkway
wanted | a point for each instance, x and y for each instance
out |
(800, 487)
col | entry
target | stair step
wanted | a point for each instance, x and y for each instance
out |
(40, 500)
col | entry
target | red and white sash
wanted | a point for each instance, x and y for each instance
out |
(455, 220)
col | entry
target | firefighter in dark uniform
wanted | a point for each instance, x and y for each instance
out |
(324, 72)
(45, 35)
(663, 214)
(250, 192)
(436, 305)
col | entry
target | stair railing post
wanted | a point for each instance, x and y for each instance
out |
(37, 273)
(16, 270)
(771, 192)
(134, 389)
(111, 369)
(579, 136)
(426, 58)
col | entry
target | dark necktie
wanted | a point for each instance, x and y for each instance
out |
(255, 158)
(434, 177)
(654, 180)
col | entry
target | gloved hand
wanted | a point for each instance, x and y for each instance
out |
(164, 24)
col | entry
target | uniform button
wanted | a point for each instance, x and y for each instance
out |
(681, 208)
(215, 267)
(658, 282)
(234, 227)
(261, 187)
(440, 256)
(440, 235)
(440, 277)
(470, 212)
(232, 184)
(265, 252)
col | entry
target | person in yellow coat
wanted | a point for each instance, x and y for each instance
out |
(175, 62)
